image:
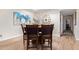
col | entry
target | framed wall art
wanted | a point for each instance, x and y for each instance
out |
(20, 18)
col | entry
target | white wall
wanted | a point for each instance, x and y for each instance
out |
(74, 23)
(76, 27)
(7, 28)
(61, 30)
(10, 30)
(55, 19)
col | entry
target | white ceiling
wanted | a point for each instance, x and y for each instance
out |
(63, 11)
(41, 10)
(46, 9)
(67, 11)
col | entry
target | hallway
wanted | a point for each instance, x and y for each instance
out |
(67, 21)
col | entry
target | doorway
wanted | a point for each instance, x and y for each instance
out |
(67, 22)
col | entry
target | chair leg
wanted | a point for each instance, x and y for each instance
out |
(51, 44)
(48, 42)
(42, 44)
(27, 43)
(24, 43)
(37, 44)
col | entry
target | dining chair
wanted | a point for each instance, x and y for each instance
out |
(47, 35)
(24, 35)
(32, 36)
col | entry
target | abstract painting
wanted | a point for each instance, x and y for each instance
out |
(20, 18)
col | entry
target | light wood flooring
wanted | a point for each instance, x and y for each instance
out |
(65, 42)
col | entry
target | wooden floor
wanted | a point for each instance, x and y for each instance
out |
(12, 44)
(65, 42)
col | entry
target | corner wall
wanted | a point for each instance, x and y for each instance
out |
(76, 27)
(7, 28)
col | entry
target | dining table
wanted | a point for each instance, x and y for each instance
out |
(39, 34)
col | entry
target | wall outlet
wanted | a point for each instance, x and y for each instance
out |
(0, 35)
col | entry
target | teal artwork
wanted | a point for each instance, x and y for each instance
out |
(21, 18)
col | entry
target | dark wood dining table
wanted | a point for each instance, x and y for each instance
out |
(39, 35)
